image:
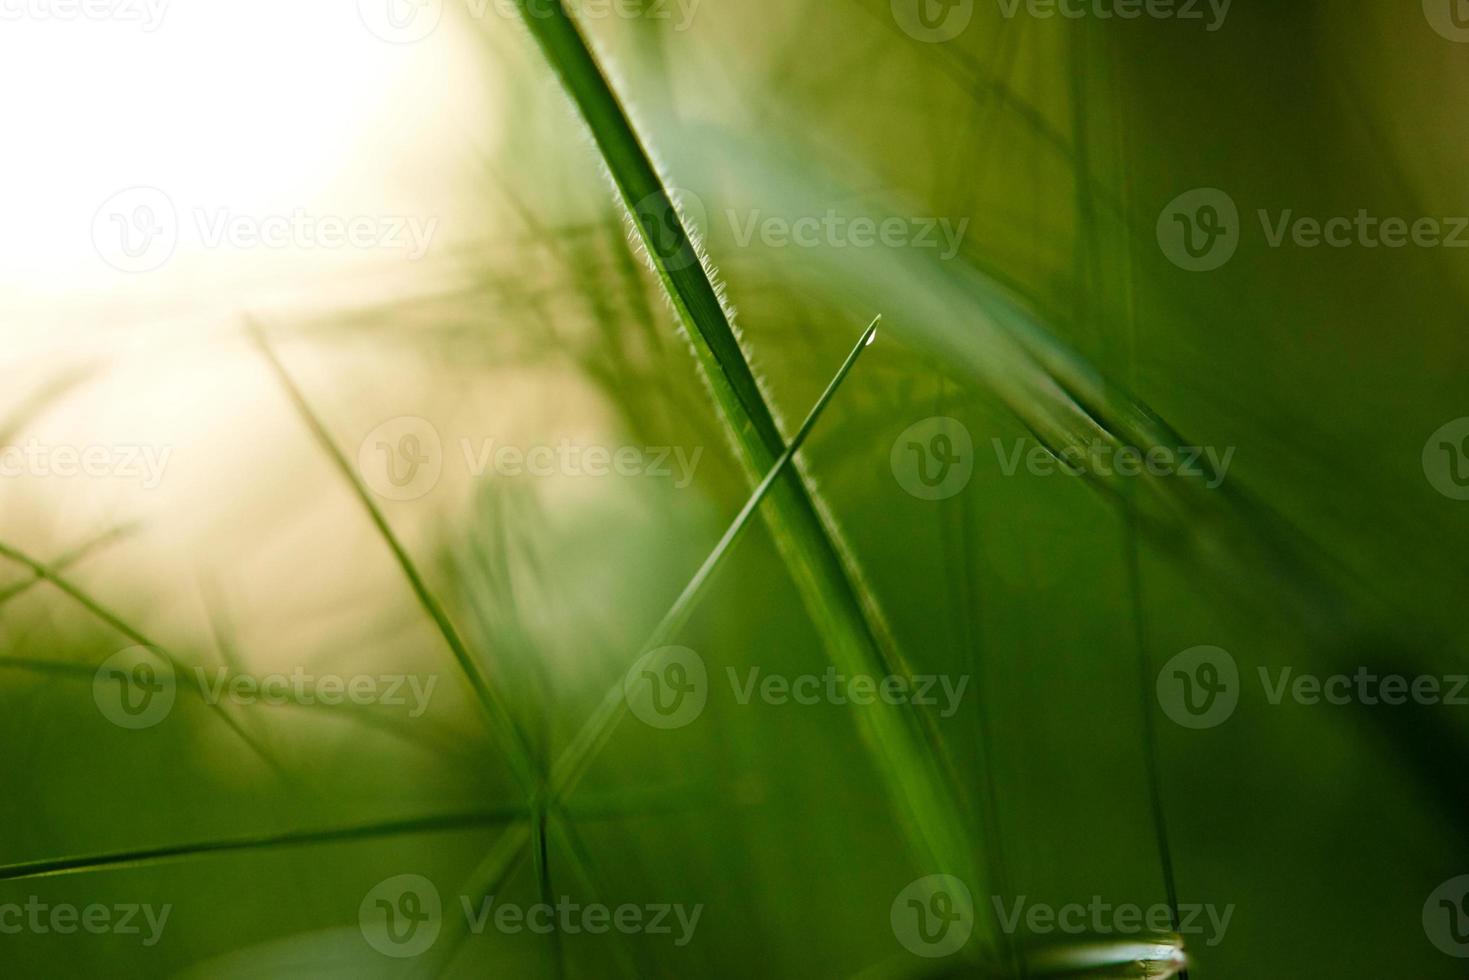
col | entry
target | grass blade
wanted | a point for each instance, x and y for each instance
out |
(600, 726)
(502, 722)
(56, 867)
(49, 574)
(921, 783)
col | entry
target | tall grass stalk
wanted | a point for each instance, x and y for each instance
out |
(911, 755)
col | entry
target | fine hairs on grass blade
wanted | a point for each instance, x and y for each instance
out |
(920, 781)
(501, 720)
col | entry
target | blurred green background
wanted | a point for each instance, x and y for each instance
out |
(1057, 144)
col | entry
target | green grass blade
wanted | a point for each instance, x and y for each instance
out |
(56, 867)
(70, 558)
(912, 756)
(42, 571)
(491, 875)
(599, 727)
(502, 722)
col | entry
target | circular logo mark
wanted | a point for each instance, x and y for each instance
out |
(1446, 917)
(401, 916)
(667, 687)
(401, 459)
(1446, 460)
(933, 21)
(1199, 231)
(1450, 18)
(933, 916)
(934, 459)
(401, 21)
(670, 232)
(134, 688)
(1199, 688)
(136, 230)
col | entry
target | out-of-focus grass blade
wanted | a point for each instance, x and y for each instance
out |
(491, 875)
(156, 855)
(502, 721)
(70, 558)
(42, 571)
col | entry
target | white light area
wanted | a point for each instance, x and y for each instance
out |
(262, 110)
(260, 107)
